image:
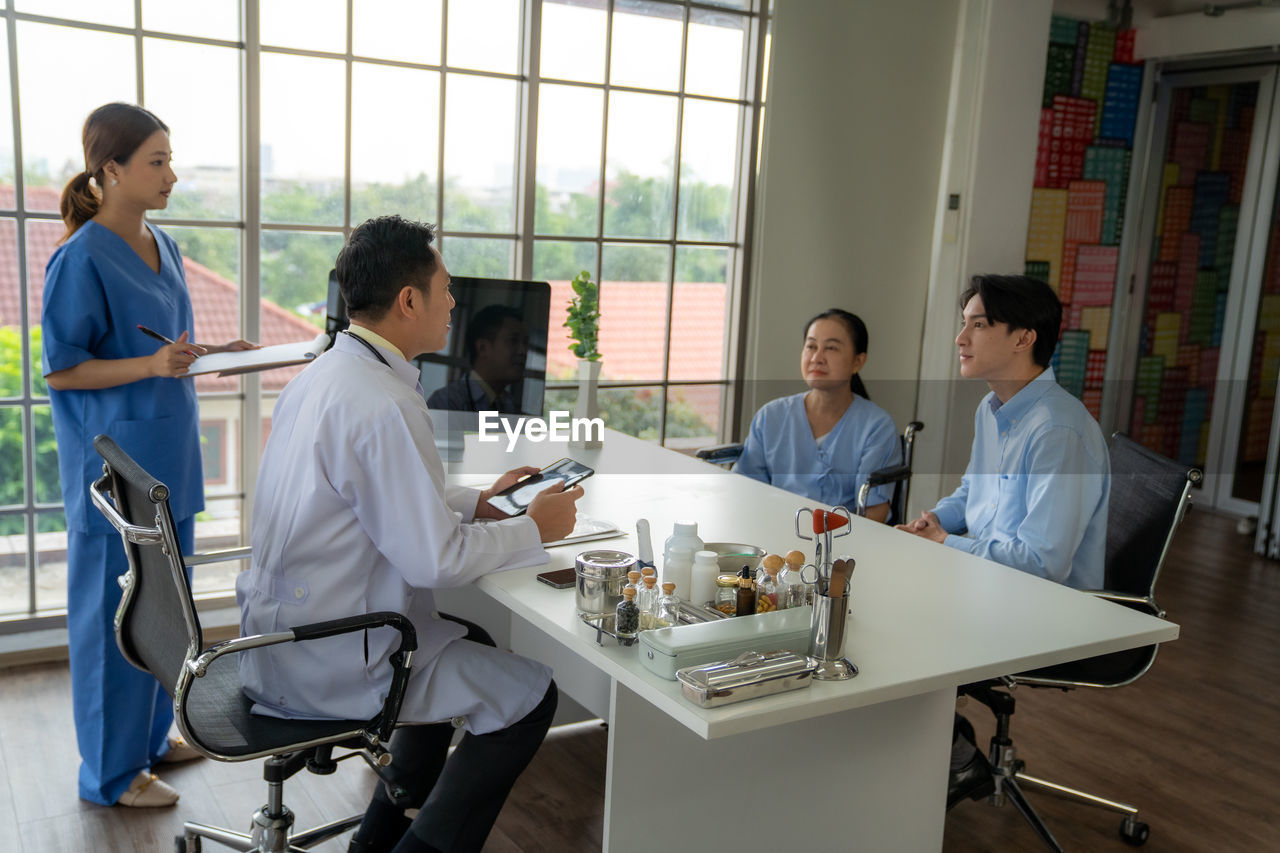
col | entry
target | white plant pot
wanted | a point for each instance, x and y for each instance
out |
(587, 405)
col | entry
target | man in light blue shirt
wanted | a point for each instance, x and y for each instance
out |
(1034, 496)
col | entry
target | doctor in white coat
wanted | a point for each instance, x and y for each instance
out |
(351, 515)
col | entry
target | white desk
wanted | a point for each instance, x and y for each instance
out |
(863, 761)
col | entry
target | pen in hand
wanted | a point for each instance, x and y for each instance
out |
(152, 333)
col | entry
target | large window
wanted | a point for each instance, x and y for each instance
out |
(544, 137)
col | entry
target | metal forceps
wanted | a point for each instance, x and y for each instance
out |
(822, 523)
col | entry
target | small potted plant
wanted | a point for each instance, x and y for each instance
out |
(583, 322)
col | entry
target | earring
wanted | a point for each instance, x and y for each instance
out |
(113, 182)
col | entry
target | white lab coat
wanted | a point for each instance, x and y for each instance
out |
(352, 515)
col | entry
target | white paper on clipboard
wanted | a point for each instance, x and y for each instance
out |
(265, 358)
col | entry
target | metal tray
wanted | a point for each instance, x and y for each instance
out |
(690, 614)
(749, 675)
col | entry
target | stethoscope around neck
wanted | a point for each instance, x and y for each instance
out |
(370, 347)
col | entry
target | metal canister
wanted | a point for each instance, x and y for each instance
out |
(601, 576)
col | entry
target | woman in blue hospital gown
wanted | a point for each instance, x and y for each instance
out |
(113, 273)
(823, 444)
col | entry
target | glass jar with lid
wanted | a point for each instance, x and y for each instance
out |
(726, 600)
(667, 613)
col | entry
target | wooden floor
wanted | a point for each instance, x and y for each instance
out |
(1195, 745)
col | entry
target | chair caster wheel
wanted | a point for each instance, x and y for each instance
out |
(1134, 832)
(181, 845)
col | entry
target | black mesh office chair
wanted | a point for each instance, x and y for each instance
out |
(726, 455)
(158, 631)
(1150, 495)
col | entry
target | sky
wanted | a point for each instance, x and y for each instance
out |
(395, 109)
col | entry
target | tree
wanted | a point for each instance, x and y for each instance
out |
(12, 475)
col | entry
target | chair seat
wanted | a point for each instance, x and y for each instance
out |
(1105, 670)
(219, 719)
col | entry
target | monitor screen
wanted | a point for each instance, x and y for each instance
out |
(496, 355)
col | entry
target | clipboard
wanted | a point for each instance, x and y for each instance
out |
(265, 358)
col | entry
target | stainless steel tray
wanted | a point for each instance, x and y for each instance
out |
(749, 675)
(690, 614)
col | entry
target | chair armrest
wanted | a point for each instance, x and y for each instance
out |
(893, 474)
(720, 453)
(401, 659)
(222, 556)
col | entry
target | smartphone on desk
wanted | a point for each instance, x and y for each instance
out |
(514, 500)
(559, 578)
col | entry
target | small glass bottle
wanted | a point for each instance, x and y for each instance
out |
(767, 590)
(798, 591)
(745, 605)
(627, 617)
(667, 614)
(647, 601)
(727, 594)
(772, 563)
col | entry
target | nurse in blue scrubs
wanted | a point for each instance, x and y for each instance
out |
(823, 443)
(112, 273)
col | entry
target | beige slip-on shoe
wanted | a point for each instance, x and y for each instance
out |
(147, 791)
(179, 751)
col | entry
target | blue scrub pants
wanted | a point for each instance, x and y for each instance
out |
(122, 714)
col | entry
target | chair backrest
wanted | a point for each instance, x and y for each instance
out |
(156, 624)
(1150, 494)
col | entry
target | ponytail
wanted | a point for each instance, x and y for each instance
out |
(855, 385)
(80, 202)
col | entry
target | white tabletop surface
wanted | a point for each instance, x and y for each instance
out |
(924, 616)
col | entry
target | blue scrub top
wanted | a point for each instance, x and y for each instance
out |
(97, 290)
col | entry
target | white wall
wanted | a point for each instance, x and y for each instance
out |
(856, 112)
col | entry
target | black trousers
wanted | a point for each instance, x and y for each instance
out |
(460, 795)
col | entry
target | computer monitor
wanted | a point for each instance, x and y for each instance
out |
(496, 355)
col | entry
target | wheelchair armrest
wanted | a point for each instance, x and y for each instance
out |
(720, 453)
(384, 723)
(222, 556)
(1136, 602)
(893, 474)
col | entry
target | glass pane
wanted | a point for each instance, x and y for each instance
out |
(1203, 170)
(52, 121)
(480, 258)
(479, 154)
(408, 30)
(559, 400)
(557, 263)
(51, 560)
(646, 44)
(573, 40)
(11, 313)
(733, 4)
(635, 411)
(708, 170)
(641, 148)
(48, 486)
(485, 35)
(203, 114)
(216, 528)
(302, 139)
(716, 55)
(7, 200)
(13, 491)
(117, 13)
(394, 151)
(14, 563)
(217, 19)
(308, 24)
(700, 314)
(570, 122)
(217, 251)
(295, 276)
(633, 312)
(693, 416)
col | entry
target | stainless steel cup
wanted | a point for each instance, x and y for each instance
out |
(601, 576)
(826, 638)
